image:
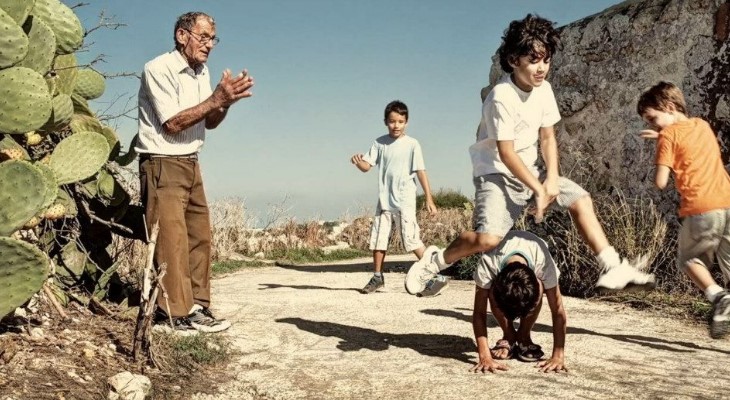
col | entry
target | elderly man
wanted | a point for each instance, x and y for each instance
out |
(176, 106)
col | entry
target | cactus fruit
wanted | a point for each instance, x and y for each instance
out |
(23, 269)
(65, 69)
(89, 84)
(25, 103)
(79, 156)
(41, 45)
(64, 23)
(54, 212)
(33, 222)
(24, 192)
(33, 138)
(68, 203)
(14, 45)
(17, 9)
(11, 154)
(11, 150)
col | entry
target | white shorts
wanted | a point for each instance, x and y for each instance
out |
(383, 223)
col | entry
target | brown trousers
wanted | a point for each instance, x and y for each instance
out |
(172, 192)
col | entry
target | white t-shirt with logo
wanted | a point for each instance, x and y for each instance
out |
(508, 113)
(526, 244)
(397, 161)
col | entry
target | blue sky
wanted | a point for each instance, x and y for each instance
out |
(324, 71)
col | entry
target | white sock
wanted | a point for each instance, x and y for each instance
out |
(712, 291)
(378, 274)
(608, 258)
(440, 261)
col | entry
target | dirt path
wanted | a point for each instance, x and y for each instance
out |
(306, 333)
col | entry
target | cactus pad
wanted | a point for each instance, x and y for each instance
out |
(25, 103)
(14, 45)
(23, 269)
(113, 140)
(89, 84)
(41, 45)
(68, 203)
(64, 23)
(65, 68)
(61, 114)
(84, 123)
(24, 192)
(17, 9)
(79, 156)
(51, 184)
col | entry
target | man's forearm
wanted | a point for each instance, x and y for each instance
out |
(189, 117)
(216, 117)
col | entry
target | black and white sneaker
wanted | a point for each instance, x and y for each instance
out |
(180, 326)
(375, 283)
(720, 318)
(203, 320)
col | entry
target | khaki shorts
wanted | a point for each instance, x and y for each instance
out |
(704, 236)
(500, 200)
(383, 223)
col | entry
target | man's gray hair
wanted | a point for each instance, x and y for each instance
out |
(187, 22)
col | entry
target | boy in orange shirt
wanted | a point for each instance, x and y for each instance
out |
(689, 148)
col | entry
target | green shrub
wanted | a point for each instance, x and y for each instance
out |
(445, 198)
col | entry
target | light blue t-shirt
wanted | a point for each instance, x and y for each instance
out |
(397, 161)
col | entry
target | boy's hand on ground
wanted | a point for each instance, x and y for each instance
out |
(487, 364)
(555, 364)
(649, 134)
(541, 204)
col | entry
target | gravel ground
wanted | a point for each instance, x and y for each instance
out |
(305, 332)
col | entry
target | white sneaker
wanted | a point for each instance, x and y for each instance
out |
(626, 276)
(434, 286)
(720, 318)
(422, 271)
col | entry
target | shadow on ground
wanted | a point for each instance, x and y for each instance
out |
(354, 338)
(388, 266)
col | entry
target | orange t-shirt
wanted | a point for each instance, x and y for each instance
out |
(691, 150)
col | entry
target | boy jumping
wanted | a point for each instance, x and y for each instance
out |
(514, 277)
(688, 147)
(519, 112)
(400, 161)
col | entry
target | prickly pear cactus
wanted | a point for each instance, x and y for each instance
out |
(64, 23)
(41, 45)
(25, 103)
(23, 194)
(61, 113)
(89, 84)
(65, 69)
(14, 45)
(17, 9)
(23, 269)
(79, 156)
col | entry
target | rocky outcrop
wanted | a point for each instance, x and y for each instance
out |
(609, 58)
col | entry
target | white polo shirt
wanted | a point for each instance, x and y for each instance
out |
(526, 244)
(169, 85)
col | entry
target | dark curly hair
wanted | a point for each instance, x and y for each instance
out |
(533, 36)
(397, 107)
(516, 290)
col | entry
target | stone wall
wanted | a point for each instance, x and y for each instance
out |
(608, 59)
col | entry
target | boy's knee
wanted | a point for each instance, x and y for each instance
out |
(583, 204)
(487, 242)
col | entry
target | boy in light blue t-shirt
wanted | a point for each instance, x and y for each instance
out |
(400, 162)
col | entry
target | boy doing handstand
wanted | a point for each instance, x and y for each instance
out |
(513, 277)
(688, 147)
(520, 112)
(400, 161)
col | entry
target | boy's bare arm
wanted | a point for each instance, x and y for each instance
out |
(423, 180)
(360, 163)
(556, 363)
(518, 168)
(661, 179)
(479, 324)
(549, 149)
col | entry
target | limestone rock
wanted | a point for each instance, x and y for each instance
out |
(128, 386)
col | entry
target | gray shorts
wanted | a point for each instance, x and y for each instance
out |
(704, 236)
(383, 223)
(500, 200)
